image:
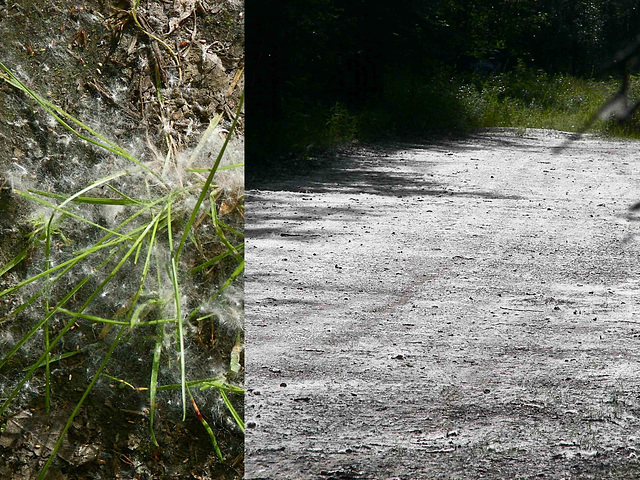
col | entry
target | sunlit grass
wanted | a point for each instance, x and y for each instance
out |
(526, 99)
(445, 101)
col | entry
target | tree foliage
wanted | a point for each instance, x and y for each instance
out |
(308, 55)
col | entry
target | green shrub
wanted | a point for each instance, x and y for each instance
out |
(533, 99)
(342, 126)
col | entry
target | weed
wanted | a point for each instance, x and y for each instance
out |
(138, 254)
(534, 99)
(342, 126)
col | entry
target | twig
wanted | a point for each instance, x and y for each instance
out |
(142, 24)
(442, 450)
(521, 310)
(235, 81)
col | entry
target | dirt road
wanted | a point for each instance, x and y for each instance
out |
(467, 309)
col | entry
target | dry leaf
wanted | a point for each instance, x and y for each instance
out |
(225, 208)
(184, 8)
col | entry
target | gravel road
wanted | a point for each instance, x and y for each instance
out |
(462, 309)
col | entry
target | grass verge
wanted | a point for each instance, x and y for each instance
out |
(445, 101)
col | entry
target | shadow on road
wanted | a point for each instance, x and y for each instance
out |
(391, 170)
(374, 170)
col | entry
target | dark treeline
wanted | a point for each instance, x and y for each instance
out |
(311, 63)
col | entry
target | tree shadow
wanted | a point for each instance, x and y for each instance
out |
(288, 207)
(373, 169)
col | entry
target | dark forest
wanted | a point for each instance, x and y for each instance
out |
(327, 71)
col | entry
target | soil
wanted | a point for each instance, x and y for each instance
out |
(459, 309)
(91, 58)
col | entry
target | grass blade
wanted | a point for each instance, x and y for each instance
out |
(176, 295)
(93, 318)
(62, 356)
(15, 261)
(232, 410)
(214, 260)
(217, 382)
(218, 229)
(153, 384)
(237, 272)
(205, 170)
(64, 211)
(90, 200)
(205, 424)
(207, 184)
(63, 434)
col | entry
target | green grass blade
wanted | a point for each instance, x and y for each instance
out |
(64, 211)
(47, 296)
(207, 183)
(93, 185)
(89, 200)
(236, 273)
(62, 356)
(155, 367)
(176, 295)
(134, 316)
(218, 229)
(15, 261)
(232, 410)
(63, 434)
(132, 217)
(24, 305)
(153, 384)
(125, 197)
(174, 281)
(205, 170)
(206, 426)
(159, 339)
(217, 382)
(213, 260)
(47, 361)
(93, 318)
(233, 231)
(122, 382)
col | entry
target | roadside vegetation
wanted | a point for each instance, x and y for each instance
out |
(414, 70)
(450, 103)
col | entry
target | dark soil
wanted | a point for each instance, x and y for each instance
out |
(459, 310)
